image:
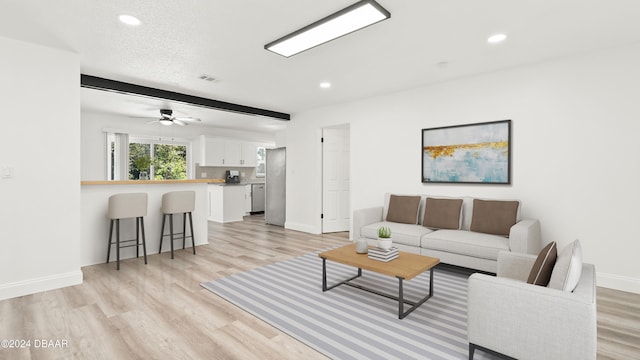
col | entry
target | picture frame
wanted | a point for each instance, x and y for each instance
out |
(477, 153)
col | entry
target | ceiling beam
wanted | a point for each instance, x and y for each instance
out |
(98, 83)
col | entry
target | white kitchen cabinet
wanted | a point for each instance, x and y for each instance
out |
(249, 154)
(233, 153)
(213, 152)
(226, 203)
(221, 152)
(247, 198)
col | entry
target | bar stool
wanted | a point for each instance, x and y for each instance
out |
(125, 206)
(176, 202)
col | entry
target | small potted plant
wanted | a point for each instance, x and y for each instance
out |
(384, 237)
(142, 163)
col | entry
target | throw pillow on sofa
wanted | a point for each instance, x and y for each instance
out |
(568, 268)
(494, 216)
(403, 209)
(442, 213)
(541, 271)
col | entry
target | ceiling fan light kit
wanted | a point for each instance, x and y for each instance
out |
(167, 118)
(352, 18)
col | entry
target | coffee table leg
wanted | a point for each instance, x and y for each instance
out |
(430, 282)
(324, 274)
(325, 287)
(400, 299)
(401, 313)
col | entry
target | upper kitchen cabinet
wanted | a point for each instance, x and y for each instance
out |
(221, 152)
(249, 154)
(233, 153)
(214, 152)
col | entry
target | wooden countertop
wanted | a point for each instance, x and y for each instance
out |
(150, 182)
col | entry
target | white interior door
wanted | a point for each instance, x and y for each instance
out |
(336, 208)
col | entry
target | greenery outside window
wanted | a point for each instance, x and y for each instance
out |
(160, 160)
(261, 165)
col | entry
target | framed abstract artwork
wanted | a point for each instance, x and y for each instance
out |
(467, 154)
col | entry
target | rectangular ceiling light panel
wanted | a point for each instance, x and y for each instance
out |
(345, 21)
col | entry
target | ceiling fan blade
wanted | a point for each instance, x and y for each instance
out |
(179, 122)
(153, 121)
(187, 119)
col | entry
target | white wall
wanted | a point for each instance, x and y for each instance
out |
(575, 127)
(40, 140)
(94, 147)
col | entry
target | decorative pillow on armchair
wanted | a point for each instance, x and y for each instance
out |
(494, 216)
(403, 209)
(541, 271)
(568, 268)
(442, 213)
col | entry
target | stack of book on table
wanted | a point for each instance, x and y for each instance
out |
(379, 254)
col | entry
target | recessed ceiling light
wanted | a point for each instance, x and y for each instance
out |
(493, 39)
(325, 85)
(129, 20)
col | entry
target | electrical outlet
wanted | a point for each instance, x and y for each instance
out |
(7, 172)
(203, 175)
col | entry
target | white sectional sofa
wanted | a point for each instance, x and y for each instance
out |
(449, 229)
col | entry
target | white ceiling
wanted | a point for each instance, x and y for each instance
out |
(424, 42)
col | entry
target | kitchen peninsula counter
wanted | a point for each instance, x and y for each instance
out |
(151, 182)
(95, 221)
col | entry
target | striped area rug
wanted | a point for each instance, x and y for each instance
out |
(348, 323)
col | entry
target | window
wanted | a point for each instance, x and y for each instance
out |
(261, 165)
(157, 159)
(117, 153)
(143, 157)
(140, 161)
(170, 161)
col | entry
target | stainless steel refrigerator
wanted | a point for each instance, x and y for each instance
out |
(275, 186)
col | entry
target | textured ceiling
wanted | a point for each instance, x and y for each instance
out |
(424, 42)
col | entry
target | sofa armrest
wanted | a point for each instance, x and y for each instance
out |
(524, 237)
(364, 217)
(533, 322)
(515, 265)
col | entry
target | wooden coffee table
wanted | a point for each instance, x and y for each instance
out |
(405, 267)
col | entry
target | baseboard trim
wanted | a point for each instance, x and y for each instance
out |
(617, 282)
(36, 285)
(301, 227)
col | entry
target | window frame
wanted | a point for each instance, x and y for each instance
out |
(117, 167)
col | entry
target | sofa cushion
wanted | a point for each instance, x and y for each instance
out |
(403, 209)
(568, 268)
(406, 234)
(543, 266)
(494, 216)
(464, 242)
(442, 213)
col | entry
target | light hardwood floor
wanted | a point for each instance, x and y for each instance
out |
(159, 311)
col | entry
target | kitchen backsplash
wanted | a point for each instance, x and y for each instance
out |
(218, 172)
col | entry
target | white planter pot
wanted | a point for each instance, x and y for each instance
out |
(384, 243)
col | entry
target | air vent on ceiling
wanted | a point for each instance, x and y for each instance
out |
(207, 77)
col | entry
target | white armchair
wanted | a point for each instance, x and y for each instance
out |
(506, 315)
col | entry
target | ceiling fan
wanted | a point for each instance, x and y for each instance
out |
(167, 118)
